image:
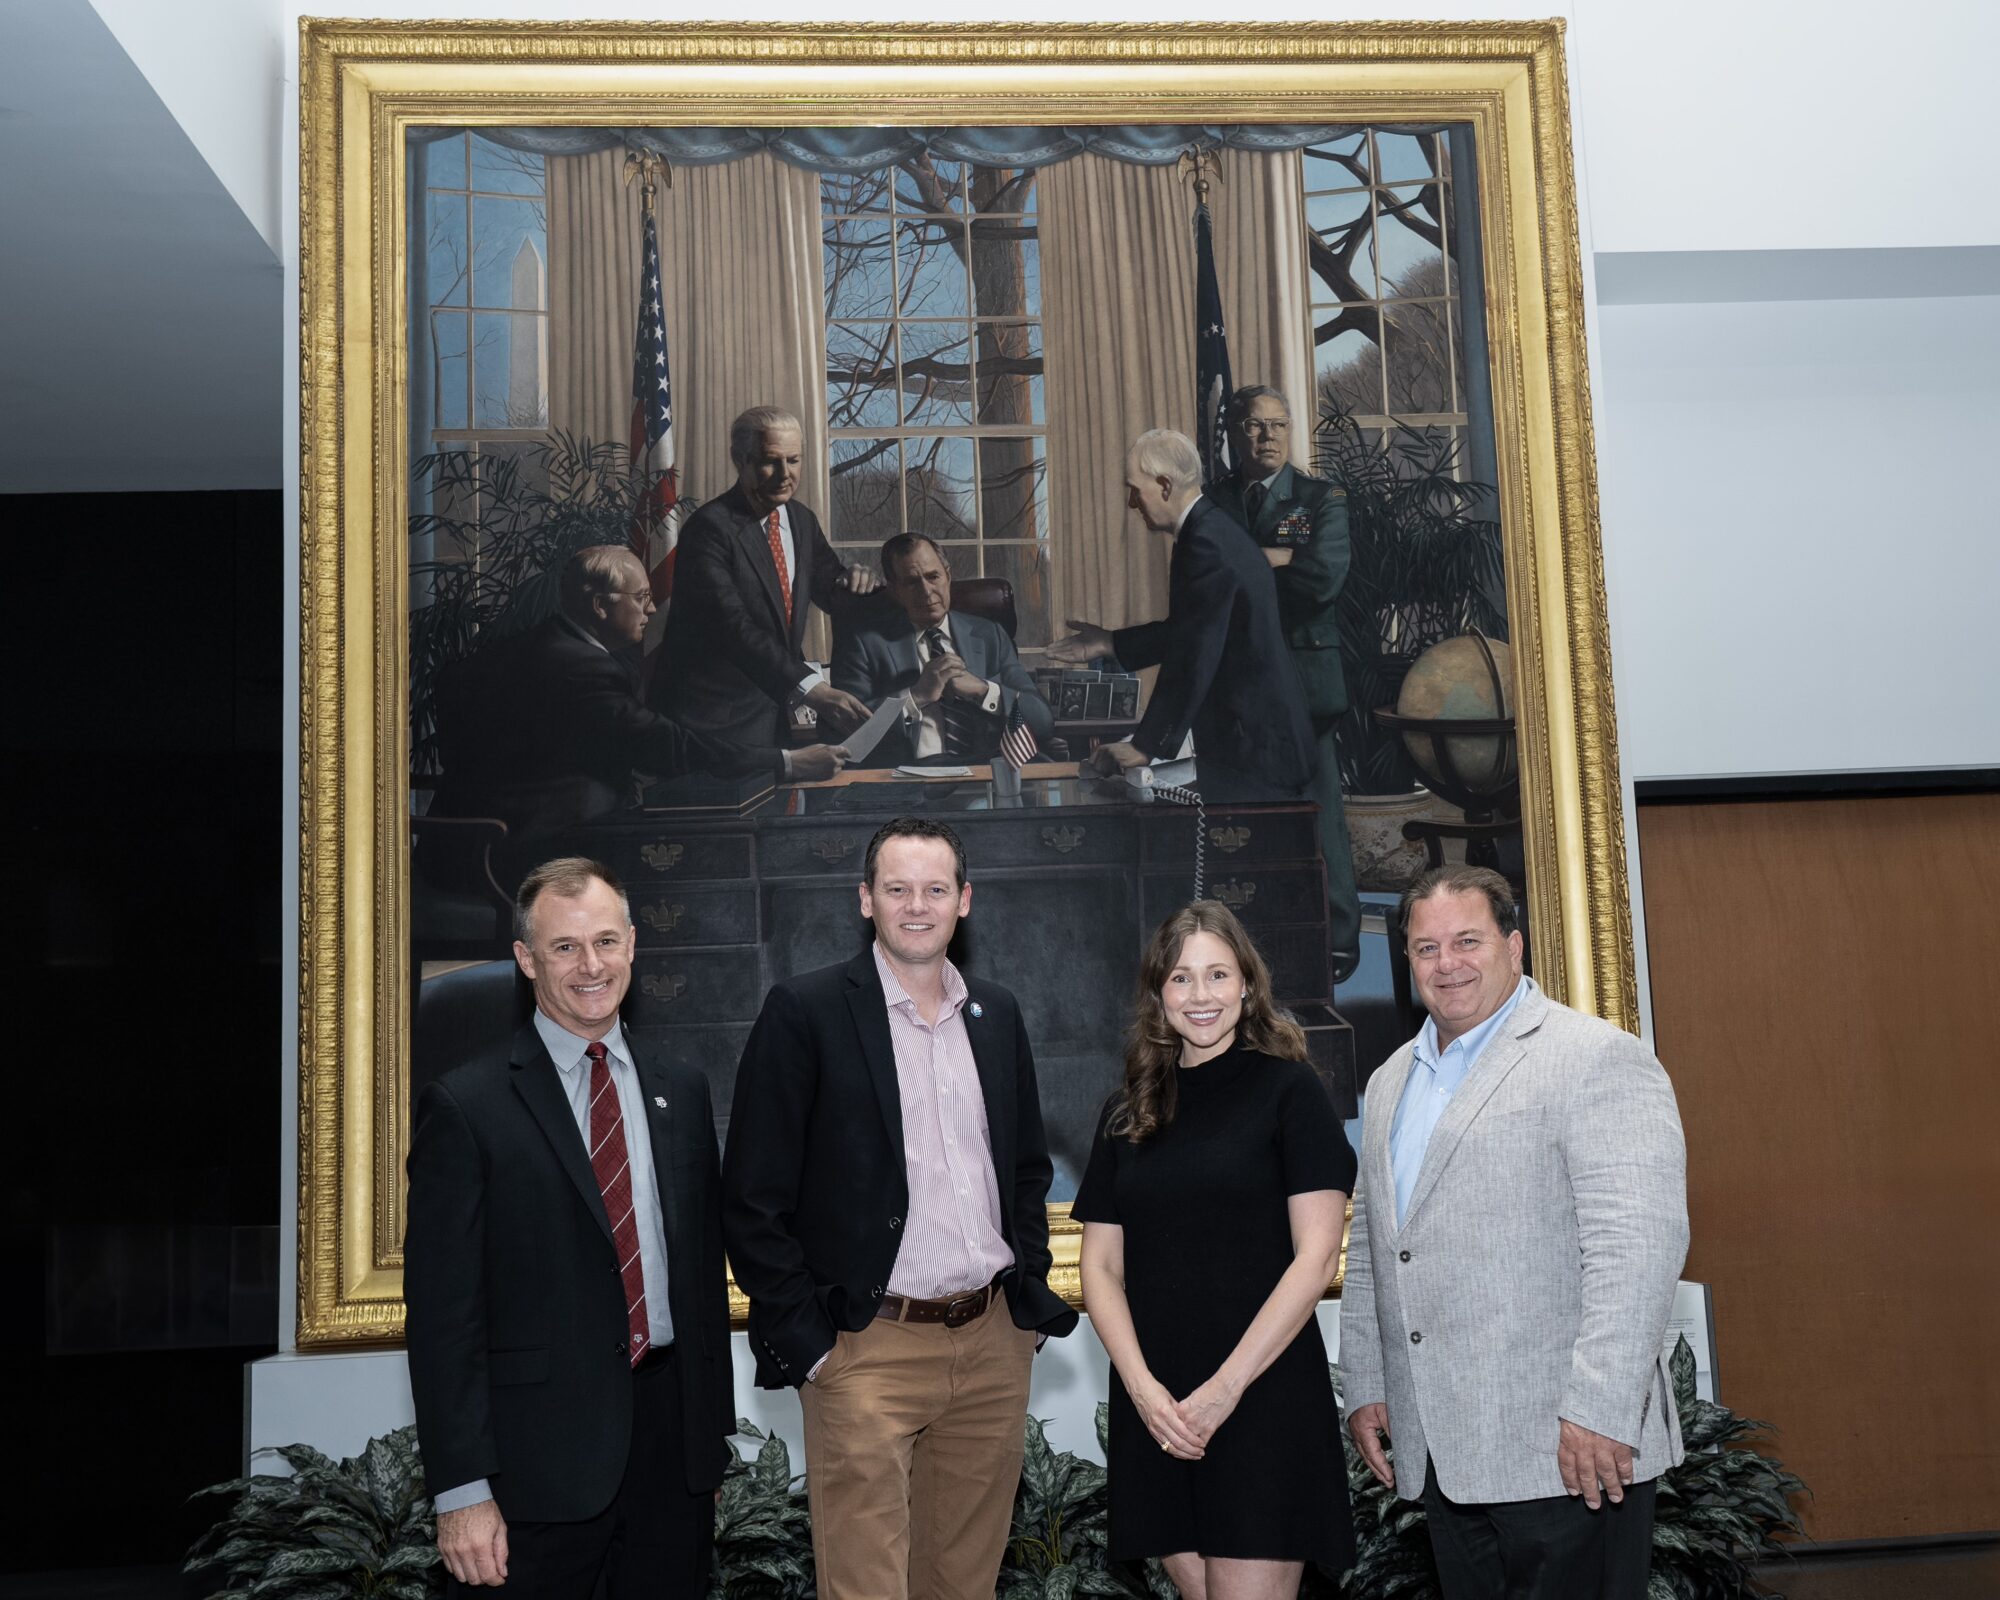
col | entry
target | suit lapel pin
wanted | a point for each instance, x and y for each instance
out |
(660, 1100)
(976, 1011)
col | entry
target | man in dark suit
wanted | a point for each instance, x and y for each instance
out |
(959, 677)
(568, 1322)
(749, 566)
(1301, 524)
(547, 729)
(884, 1205)
(1224, 670)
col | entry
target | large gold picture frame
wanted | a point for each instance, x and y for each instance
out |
(363, 84)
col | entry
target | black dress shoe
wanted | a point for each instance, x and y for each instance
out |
(1344, 963)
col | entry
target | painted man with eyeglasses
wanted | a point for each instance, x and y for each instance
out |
(1519, 1225)
(1301, 523)
(548, 729)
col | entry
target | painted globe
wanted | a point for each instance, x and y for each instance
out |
(1470, 678)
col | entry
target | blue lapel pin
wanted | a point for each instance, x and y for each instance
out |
(976, 1011)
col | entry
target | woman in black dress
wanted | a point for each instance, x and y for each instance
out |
(1212, 1210)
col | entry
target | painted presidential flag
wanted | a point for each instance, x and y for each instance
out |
(1212, 384)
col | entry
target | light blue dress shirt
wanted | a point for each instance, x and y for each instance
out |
(1434, 1078)
(566, 1050)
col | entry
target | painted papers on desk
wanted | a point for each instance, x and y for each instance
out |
(861, 743)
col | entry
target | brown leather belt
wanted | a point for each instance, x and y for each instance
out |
(954, 1312)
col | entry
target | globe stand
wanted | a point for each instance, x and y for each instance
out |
(1492, 814)
(1492, 810)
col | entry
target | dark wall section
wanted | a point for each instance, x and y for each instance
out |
(140, 1177)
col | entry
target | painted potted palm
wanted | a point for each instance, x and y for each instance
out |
(1426, 566)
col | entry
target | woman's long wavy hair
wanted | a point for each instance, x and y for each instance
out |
(1153, 1049)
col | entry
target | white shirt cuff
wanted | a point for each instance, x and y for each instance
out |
(466, 1494)
(992, 701)
(811, 681)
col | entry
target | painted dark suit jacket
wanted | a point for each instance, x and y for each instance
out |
(547, 729)
(874, 663)
(1225, 671)
(729, 662)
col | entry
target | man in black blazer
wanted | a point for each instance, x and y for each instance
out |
(1225, 672)
(884, 1196)
(748, 567)
(959, 676)
(547, 729)
(568, 1323)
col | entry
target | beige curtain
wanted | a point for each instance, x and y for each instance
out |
(1118, 323)
(746, 324)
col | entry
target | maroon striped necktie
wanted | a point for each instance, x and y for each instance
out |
(608, 1159)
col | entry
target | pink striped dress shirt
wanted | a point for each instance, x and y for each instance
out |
(951, 1238)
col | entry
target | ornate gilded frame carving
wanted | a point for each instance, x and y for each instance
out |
(361, 84)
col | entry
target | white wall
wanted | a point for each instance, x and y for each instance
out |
(220, 69)
(1800, 530)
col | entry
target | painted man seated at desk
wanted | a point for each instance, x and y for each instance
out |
(957, 674)
(547, 729)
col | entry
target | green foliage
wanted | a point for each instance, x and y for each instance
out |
(500, 526)
(1425, 566)
(364, 1527)
(334, 1530)
(1723, 1507)
(1057, 1547)
(763, 1534)
(1721, 1510)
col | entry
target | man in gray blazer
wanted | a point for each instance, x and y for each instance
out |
(958, 675)
(1520, 1222)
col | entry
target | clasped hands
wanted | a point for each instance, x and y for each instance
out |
(1183, 1428)
(946, 674)
(1593, 1466)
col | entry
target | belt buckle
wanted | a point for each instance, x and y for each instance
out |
(961, 1309)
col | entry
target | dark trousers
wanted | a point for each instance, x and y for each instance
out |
(1343, 899)
(1551, 1549)
(652, 1541)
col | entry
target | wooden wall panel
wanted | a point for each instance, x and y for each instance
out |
(1826, 997)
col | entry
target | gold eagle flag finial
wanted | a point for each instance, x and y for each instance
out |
(653, 171)
(1203, 167)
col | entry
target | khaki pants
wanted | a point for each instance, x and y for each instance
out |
(913, 1454)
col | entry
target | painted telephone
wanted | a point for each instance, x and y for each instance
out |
(1169, 780)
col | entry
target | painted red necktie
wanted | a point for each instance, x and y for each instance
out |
(778, 561)
(613, 1166)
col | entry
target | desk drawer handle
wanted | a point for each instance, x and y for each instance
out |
(666, 989)
(662, 916)
(1236, 895)
(662, 857)
(1063, 839)
(831, 849)
(1229, 840)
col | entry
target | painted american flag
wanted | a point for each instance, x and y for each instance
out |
(657, 524)
(1017, 744)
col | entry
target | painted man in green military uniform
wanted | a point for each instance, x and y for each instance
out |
(1301, 521)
